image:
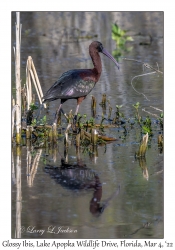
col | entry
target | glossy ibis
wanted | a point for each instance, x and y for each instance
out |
(78, 83)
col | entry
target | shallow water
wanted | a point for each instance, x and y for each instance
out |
(114, 195)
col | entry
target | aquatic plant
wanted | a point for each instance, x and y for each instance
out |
(119, 115)
(119, 35)
(120, 38)
(17, 76)
(146, 126)
(137, 115)
(143, 146)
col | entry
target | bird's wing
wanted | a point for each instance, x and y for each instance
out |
(83, 81)
(72, 84)
(55, 91)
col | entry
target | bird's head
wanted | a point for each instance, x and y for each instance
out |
(99, 47)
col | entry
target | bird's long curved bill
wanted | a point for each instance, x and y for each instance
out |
(106, 53)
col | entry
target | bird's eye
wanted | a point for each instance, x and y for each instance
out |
(100, 48)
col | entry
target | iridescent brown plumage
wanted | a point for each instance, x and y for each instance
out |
(78, 83)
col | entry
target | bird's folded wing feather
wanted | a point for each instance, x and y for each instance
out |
(72, 84)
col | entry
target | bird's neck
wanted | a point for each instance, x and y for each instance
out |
(97, 64)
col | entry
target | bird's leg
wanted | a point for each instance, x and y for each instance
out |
(62, 111)
(57, 113)
(75, 115)
(79, 100)
(58, 110)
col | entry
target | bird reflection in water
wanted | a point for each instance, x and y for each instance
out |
(76, 177)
